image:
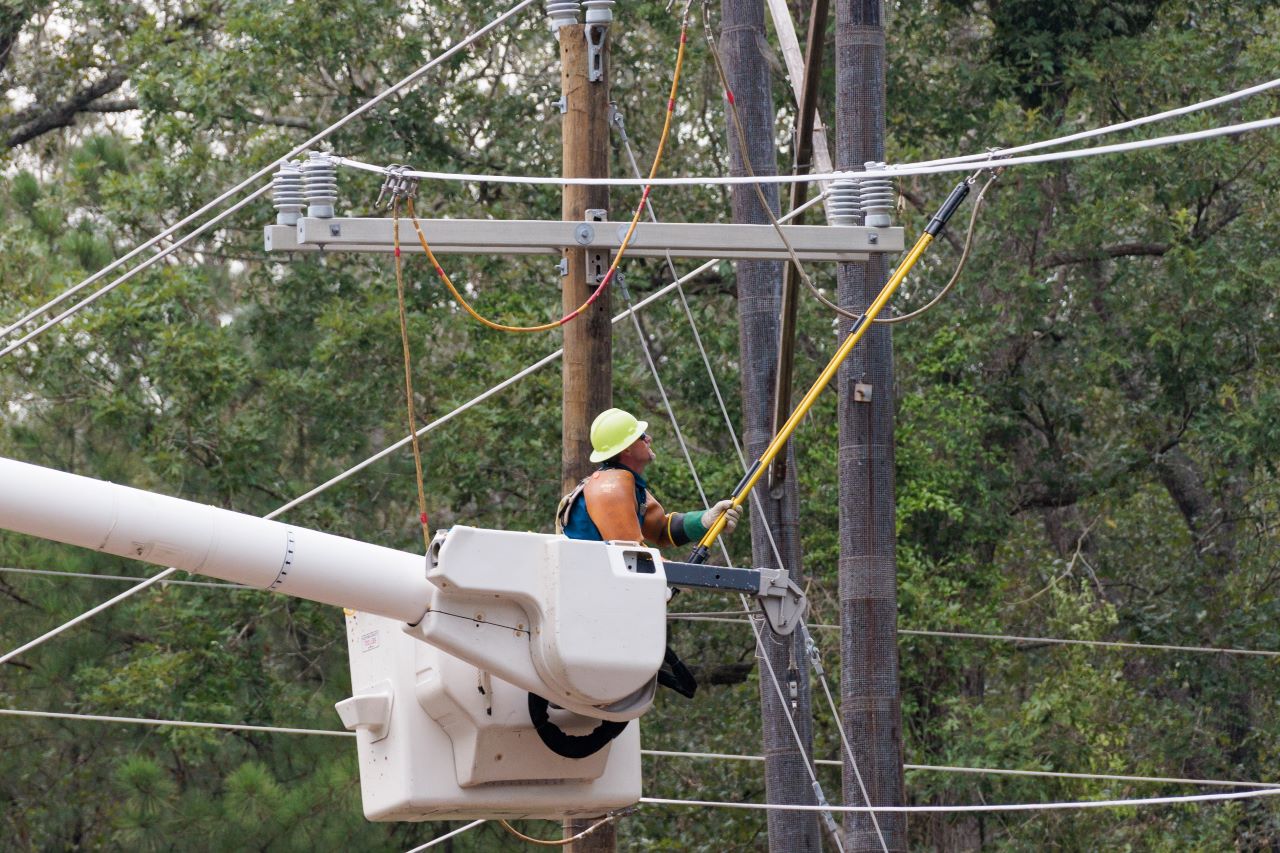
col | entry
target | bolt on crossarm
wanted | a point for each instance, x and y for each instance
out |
(757, 469)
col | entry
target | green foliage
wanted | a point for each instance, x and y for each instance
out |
(1087, 429)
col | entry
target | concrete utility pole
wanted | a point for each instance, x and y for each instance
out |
(871, 705)
(759, 299)
(588, 340)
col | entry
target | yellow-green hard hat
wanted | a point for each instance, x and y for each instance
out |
(612, 432)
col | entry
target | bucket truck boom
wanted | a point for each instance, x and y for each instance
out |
(445, 652)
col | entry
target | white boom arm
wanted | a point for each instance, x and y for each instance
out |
(450, 653)
(216, 542)
(579, 623)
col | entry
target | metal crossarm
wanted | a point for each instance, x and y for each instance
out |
(530, 236)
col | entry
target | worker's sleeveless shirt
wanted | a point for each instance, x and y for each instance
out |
(579, 524)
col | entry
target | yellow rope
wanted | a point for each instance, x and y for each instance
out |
(626, 240)
(408, 378)
(561, 842)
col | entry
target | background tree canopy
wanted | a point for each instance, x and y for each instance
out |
(1087, 428)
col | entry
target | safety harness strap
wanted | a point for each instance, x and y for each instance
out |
(566, 505)
(676, 675)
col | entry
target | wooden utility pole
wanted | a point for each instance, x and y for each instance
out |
(588, 340)
(871, 705)
(787, 780)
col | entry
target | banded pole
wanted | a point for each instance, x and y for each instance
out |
(759, 299)
(870, 701)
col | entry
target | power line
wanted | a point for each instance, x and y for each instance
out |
(128, 578)
(412, 78)
(339, 124)
(671, 415)
(1111, 128)
(991, 807)
(156, 258)
(381, 454)
(88, 614)
(658, 753)
(891, 170)
(231, 727)
(993, 771)
(1101, 643)
(723, 616)
(433, 842)
(513, 379)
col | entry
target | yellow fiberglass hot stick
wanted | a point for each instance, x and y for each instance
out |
(860, 326)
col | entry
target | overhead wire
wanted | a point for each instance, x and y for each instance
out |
(960, 264)
(744, 155)
(86, 615)
(318, 137)
(154, 259)
(186, 724)
(993, 771)
(806, 757)
(890, 170)
(676, 281)
(158, 578)
(351, 471)
(803, 274)
(985, 807)
(655, 753)
(1115, 644)
(443, 838)
(235, 587)
(815, 661)
(729, 617)
(514, 378)
(733, 618)
(497, 21)
(626, 240)
(1109, 129)
(1265, 787)
(462, 176)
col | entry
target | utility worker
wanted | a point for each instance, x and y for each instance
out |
(614, 503)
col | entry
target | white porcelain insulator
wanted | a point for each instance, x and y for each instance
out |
(599, 11)
(844, 204)
(562, 13)
(320, 183)
(287, 193)
(879, 198)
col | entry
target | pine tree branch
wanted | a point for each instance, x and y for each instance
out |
(1117, 250)
(35, 122)
(119, 105)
